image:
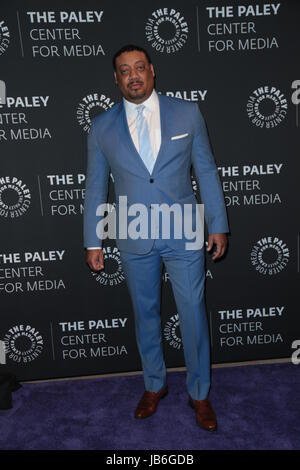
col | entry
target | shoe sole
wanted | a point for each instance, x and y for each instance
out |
(148, 416)
(200, 425)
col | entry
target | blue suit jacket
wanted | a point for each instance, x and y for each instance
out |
(111, 149)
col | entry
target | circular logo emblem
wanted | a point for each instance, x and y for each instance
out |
(172, 332)
(15, 197)
(270, 255)
(4, 37)
(267, 107)
(112, 274)
(23, 343)
(90, 106)
(166, 30)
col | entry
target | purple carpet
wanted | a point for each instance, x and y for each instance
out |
(257, 408)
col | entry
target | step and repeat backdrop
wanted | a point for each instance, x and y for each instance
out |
(240, 62)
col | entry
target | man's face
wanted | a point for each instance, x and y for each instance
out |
(134, 76)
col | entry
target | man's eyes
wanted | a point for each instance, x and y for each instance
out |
(140, 68)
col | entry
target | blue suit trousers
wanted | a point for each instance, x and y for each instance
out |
(143, 274)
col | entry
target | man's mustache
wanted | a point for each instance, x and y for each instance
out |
(134, 82)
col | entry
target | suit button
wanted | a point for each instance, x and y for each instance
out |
(151, 180)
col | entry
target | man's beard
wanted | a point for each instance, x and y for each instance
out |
(136, 94)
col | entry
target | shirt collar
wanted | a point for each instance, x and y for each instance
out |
(150, 104)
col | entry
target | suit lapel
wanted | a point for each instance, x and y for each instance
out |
(122, 125)
(163, 128)
(127, 139)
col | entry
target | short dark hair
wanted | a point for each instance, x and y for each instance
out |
(130, 48)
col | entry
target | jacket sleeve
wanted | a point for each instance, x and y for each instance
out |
(96, 189)
(208, 178)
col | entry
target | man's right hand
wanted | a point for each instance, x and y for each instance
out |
(95, 259)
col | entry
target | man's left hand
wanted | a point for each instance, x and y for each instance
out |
(220, 240)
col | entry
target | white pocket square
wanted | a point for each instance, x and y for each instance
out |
(181, 136)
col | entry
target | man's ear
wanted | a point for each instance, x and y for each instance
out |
(116, 80)
(152, 70)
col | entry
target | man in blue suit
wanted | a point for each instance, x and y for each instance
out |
(149, 143)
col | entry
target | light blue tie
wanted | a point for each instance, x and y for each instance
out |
(145, 149)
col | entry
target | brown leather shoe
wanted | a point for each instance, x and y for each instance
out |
(205, 415)
(149, 402)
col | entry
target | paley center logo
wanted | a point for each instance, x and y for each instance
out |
(172, 332)
(89, 107)
(23, 343)
(270, 255)
(167, 30)
(267, 107)
(138, 221)
(15, 197)
(112, 274)
(4, 37)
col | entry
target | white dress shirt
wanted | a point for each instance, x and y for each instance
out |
(152, 116)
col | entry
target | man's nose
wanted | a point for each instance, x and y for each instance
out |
(133, 74)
